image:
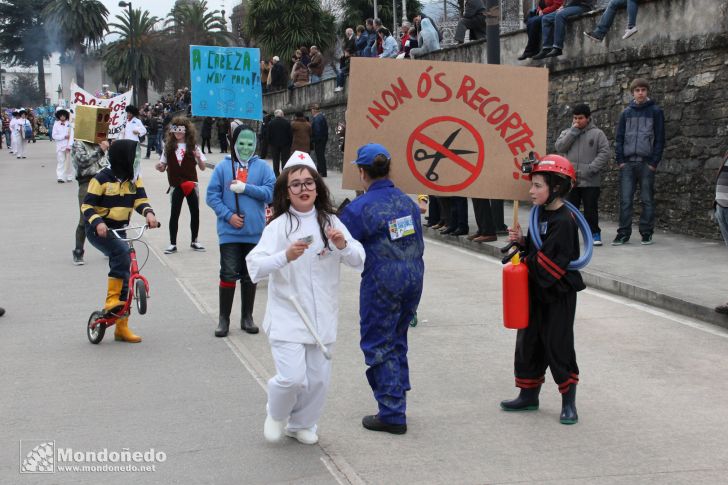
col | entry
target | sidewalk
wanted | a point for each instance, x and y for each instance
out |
(678, 273)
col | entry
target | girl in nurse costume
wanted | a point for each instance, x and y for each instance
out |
(301, 251)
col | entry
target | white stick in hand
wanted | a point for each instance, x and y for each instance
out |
(309, 326)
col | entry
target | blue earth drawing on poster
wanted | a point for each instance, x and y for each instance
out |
(226, 82)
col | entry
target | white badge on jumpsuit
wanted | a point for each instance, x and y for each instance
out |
(399, 228)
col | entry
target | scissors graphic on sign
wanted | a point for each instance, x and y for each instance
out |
(422, 155)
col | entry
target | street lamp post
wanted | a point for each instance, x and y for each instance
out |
(134, 66)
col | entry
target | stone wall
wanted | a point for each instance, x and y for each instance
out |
(681, 47)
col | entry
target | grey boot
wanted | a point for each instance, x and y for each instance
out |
(247, 291)
(226, 305)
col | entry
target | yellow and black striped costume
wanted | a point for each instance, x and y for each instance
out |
(111, 201)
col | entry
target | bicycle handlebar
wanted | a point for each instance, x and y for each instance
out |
(141, 230)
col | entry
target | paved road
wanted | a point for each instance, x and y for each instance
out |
(650, 407)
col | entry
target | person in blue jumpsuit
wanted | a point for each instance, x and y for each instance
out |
(387, 223)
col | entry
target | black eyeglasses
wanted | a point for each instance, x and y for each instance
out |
(297, 187)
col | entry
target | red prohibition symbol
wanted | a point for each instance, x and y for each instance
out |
(443, 152)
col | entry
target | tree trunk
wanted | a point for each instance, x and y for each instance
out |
(143, 95)
(41, 80)
(78, 64)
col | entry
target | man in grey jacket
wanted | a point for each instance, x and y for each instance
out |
(587, 149)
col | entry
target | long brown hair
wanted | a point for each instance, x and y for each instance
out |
(170, 143)
(324, 206)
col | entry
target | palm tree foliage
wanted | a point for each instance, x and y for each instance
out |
(146, 48)
(190, 24)
(77, 25)
(279, 27)
(23, 39)
(357, 11)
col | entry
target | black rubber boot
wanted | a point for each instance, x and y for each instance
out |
(527, 400)
(226, 305)
(247, 291)
(568, 406)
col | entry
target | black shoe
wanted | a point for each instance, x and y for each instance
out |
(723, 309)
(542, 54)
(555, 52)
(373, 423)
(226, 296)
(620, 240)
(527, 400)
(78, 257)
(568, 406)
(647, 240)
(460, 232)
(247, 291)
(526, 55)
(447, 231)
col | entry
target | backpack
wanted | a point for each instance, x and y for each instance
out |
(28, 130)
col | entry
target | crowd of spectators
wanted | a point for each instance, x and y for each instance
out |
(371, 39)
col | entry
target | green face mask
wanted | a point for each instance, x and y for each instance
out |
(245, 145)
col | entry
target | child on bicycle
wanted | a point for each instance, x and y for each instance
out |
(301, 251)
(112, 195)
(548, 341)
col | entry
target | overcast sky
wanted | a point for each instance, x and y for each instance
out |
(161, 8)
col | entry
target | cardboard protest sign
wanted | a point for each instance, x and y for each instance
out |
(451, 128)
(226, 82)
(116, 105)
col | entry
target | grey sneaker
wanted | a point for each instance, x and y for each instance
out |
(78, 257)
(629, 32)
(647, 239)
(593, 36)
(620, 240)
(171, 249)
(197, 246)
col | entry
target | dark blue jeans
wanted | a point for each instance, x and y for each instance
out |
(631, 175)
(118, 253)
(554, 25)
(232, 262)
(533, 28)
(607, 18)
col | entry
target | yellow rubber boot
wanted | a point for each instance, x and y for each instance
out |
(123, 333)
(113, 294)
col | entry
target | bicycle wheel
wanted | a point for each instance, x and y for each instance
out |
(95, 335)
(140, 295)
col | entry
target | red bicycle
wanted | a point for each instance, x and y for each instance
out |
(100, 320)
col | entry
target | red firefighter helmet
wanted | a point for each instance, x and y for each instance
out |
(555, 164)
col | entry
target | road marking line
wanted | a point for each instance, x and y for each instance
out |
(159, 257)
(340, 469)
(688, 322)
(252, 365)
(673, 317)
(190, 296)
(336, 465)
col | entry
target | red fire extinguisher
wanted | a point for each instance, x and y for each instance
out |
(515, 285)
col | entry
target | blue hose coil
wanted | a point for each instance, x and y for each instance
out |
(581, 223)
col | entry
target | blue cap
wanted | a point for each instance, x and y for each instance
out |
(366, 154)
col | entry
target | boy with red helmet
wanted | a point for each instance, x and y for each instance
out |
(548, 341)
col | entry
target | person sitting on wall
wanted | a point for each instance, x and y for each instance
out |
(554, 26)
(473, 19)
(607, 18)
(533, 26)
